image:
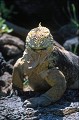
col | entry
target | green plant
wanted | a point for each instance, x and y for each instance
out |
(4, 11)
(3, 27)
(74, 22)
(25, 81)
(74, 49)
(72, 13)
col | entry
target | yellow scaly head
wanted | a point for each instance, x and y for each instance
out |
(39, 38)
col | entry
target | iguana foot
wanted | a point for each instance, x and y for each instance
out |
(41, 101)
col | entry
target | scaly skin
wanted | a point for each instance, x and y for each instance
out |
(41, 66)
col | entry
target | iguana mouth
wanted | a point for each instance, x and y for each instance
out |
(35, 49)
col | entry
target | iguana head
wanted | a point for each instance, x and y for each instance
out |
(39, 38)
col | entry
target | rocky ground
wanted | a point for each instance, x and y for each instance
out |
(11, 108)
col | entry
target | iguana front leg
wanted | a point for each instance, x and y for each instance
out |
(57, 81)
(17, 76)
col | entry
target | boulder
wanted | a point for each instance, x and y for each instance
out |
(72, 44)
(5, 84)
(2, 64)
(5, 66)
(10, 45)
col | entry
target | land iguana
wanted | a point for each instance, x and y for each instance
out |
(47, 67)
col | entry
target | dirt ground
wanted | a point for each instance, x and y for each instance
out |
(11, 108)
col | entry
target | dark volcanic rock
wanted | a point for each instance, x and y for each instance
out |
(5, 76)
(66, 109)
(72, 45)
(11, 46)
(2, 64)
(5, 84)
